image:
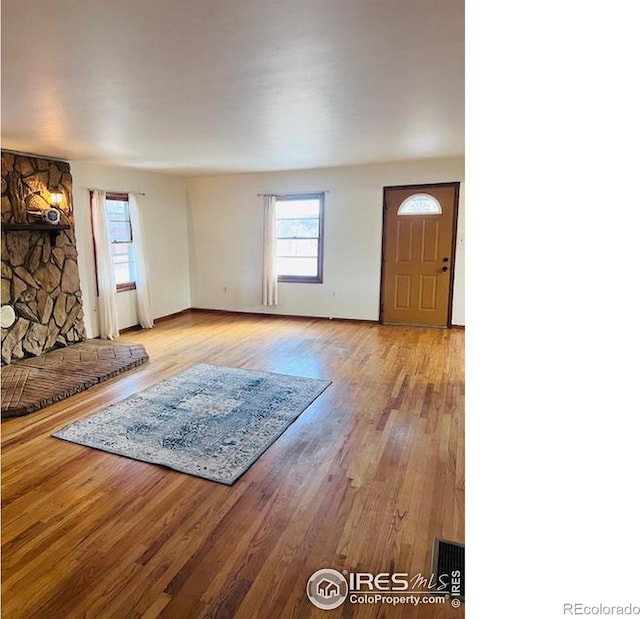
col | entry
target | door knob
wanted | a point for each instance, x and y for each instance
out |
(445, 268)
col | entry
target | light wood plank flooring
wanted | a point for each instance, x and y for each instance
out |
(362, 481)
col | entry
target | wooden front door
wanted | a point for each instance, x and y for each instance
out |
(418, 254)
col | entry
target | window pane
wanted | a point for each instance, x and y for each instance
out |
(123, 272)
(297, 247)
(120, 259)
(120, 249)
(118, 209)
(298, 266)
(297, 228)
(120, 231)
(123, 262)
(420, 204)
(290, 209)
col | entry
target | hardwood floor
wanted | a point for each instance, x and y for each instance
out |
(362, 481)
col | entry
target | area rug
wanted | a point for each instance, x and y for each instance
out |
(208, 421)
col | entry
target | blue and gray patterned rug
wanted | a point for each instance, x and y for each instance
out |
(209, 421)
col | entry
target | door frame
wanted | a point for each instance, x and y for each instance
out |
(454, 240)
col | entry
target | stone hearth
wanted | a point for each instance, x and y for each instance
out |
(31, 384)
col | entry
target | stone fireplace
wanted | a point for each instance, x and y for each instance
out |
(39, 261)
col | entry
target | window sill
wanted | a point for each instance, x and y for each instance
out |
(126, 287)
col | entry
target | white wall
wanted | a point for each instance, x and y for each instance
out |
(226, 237)
(166, 235)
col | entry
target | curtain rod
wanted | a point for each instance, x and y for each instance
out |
(301, 193)
(138, 193)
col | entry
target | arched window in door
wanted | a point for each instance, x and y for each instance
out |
(420, 204)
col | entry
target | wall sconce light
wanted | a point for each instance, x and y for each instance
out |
(56, 197)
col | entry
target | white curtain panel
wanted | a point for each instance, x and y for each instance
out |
(269, 272)
(143, 293)
(107, 308)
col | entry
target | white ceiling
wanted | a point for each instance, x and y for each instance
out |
(204, 86)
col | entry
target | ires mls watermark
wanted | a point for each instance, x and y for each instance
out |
(328, 589)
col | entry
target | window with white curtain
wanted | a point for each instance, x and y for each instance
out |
(121, 237)
(299, 232)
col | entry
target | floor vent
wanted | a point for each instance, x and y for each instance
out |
(448, 566)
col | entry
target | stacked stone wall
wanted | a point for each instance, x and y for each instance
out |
(40, 277)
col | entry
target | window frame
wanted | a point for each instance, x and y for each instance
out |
(306, 279)
(125, 286)
(121, 197)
